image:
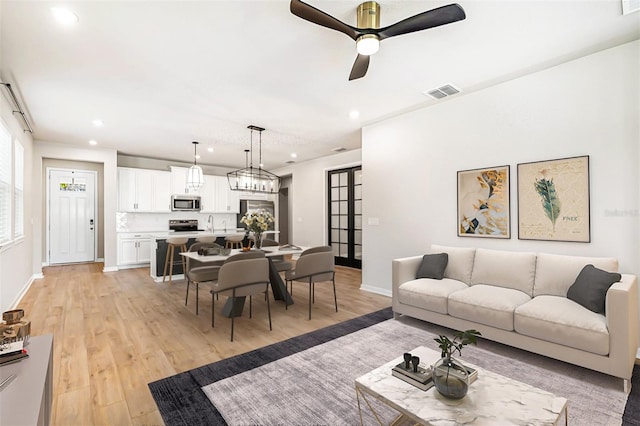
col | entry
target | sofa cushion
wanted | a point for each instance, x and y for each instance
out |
(560, 320)
(590, 288)
(487, 305)
(460, 262)
(429, 294)
(555, 273)
(433, 266)
(515, 270)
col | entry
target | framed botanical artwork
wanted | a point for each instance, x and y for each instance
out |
(483, 203)
(553, 200)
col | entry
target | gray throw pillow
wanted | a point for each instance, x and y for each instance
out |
(590, 288)
(433, 266)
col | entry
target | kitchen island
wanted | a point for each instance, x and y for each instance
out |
(158, 243)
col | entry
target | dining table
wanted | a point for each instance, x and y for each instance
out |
(234, 305)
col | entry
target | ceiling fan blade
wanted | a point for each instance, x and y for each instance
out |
(429, 19)
(360, 67)
(311, 14)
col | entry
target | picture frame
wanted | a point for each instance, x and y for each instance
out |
(553, 200)
(484, 203)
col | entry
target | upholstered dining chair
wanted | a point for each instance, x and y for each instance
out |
(316, 264)
(198, 272)
(241, 278)
(279, 262)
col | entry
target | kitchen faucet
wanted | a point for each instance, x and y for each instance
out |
(210, 221)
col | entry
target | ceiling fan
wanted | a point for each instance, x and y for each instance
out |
(368, 35)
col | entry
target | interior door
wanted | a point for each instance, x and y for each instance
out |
(345, 216)
(72, 222)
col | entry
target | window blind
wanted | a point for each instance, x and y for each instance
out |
(18, 190)
(5, 184)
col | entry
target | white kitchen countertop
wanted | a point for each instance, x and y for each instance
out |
(217, 233)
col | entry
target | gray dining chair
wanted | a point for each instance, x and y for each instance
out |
(316, 264)
(241, 278)
(279, 262)
(198, 272)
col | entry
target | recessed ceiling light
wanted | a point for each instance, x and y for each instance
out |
(354, 114)
(93, 142)
(294, 155)
(210, 149)
(197, 156)
(98, 123)
(64, 16)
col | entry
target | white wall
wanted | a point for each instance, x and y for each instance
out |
(16, 267)
(108, 158)
(585, 107)
(308, 194)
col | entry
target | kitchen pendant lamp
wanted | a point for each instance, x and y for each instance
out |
(195, 177)
(250, 178)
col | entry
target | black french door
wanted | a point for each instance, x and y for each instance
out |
(345, 215)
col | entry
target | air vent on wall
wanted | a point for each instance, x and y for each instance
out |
(442, 91)
(289, 162)
(339, 149)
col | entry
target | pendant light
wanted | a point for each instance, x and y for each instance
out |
(254, 179)
(195, 177)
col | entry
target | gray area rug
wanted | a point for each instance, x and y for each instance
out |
(316, 386)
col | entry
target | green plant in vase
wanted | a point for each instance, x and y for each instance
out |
(450, 376)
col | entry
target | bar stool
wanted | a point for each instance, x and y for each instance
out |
(206, 239)
(172, 243)
(234, 241)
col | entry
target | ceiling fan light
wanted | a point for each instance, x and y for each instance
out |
(367, 44)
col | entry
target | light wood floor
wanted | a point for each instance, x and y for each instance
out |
(116, 332)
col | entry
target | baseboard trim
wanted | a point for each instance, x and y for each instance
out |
(24, 290)
(376, 290)
(110, 269)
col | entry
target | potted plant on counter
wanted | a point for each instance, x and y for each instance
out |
(450, 376)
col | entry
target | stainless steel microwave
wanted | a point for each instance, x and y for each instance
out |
(188, 203)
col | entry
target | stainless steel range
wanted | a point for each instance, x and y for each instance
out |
(184, 225)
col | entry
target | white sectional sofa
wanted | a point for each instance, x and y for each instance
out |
(520, 299)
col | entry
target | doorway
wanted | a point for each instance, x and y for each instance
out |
(345, 217)
(71, 220)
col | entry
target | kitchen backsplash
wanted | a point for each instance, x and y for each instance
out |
(158, 222)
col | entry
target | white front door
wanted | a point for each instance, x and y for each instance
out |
(72, 220)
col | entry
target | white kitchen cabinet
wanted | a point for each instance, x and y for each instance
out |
(161, 191)
(179, 181)
(142, 190)
(134, 190)
(208, 194)
(133, 249)
(227, 201)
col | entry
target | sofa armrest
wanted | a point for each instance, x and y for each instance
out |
(403, 270)
(622, 321)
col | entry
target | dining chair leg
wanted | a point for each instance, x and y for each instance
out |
(286, 283)
(313, 286)
(197, 296)
(213, 310)
(310, 285)
(269, 308)
(335, 298)
(186, 298)
(250, 306)
(233, 294)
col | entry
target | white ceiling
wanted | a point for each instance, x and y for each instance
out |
(161, 74)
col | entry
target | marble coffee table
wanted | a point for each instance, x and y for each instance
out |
(491, 400)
